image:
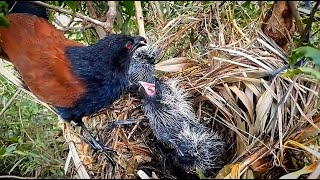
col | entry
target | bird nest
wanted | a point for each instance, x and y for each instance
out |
(271, 123)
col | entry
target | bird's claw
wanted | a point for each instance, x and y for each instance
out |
(92, 142)
(106, 153)
(104, 150)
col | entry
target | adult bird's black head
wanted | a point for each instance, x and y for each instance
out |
(117, 49)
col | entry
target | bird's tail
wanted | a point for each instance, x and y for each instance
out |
(28, 8)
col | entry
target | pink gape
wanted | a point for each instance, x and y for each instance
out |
(149, 88)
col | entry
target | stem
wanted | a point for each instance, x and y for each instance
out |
(92, 12)
(139, 17)
(111, 15)
(306, 33)
(296, 15)
(157, 4)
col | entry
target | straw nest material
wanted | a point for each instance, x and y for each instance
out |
(272, 124)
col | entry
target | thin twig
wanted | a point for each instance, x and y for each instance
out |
(62, 10)
(12, 6)
(139, 17)
(67, 28)
(110, 18)
(10, 101)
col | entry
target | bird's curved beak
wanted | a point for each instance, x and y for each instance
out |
(138, 42)
(149, 88)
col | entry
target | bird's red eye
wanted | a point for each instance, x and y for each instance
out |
(128, 45)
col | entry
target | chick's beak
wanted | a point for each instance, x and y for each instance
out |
(138, 42)
(149, 88)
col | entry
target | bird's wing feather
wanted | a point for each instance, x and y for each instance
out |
(37, 49)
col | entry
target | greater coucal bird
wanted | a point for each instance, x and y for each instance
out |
(75, 79)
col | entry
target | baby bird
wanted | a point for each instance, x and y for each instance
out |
(172, 118)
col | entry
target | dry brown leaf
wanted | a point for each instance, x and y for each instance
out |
(261, 165)
(253, 88)
(241, 147)
(86, 160)
(174, 64)
(245, 100)
(83, 147)
(310, 131)
(262, 111)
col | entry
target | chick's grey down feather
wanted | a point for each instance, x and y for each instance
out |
(172, 118)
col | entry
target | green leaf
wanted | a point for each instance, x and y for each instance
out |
(200, 174)
(292, 72)
(3, 7)
(14, 139)
(2, 151)
(72, 5)
(3, 12)
(129, 5)
(310, 71)
(294, 58)
(309, 52)
(4, 21)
